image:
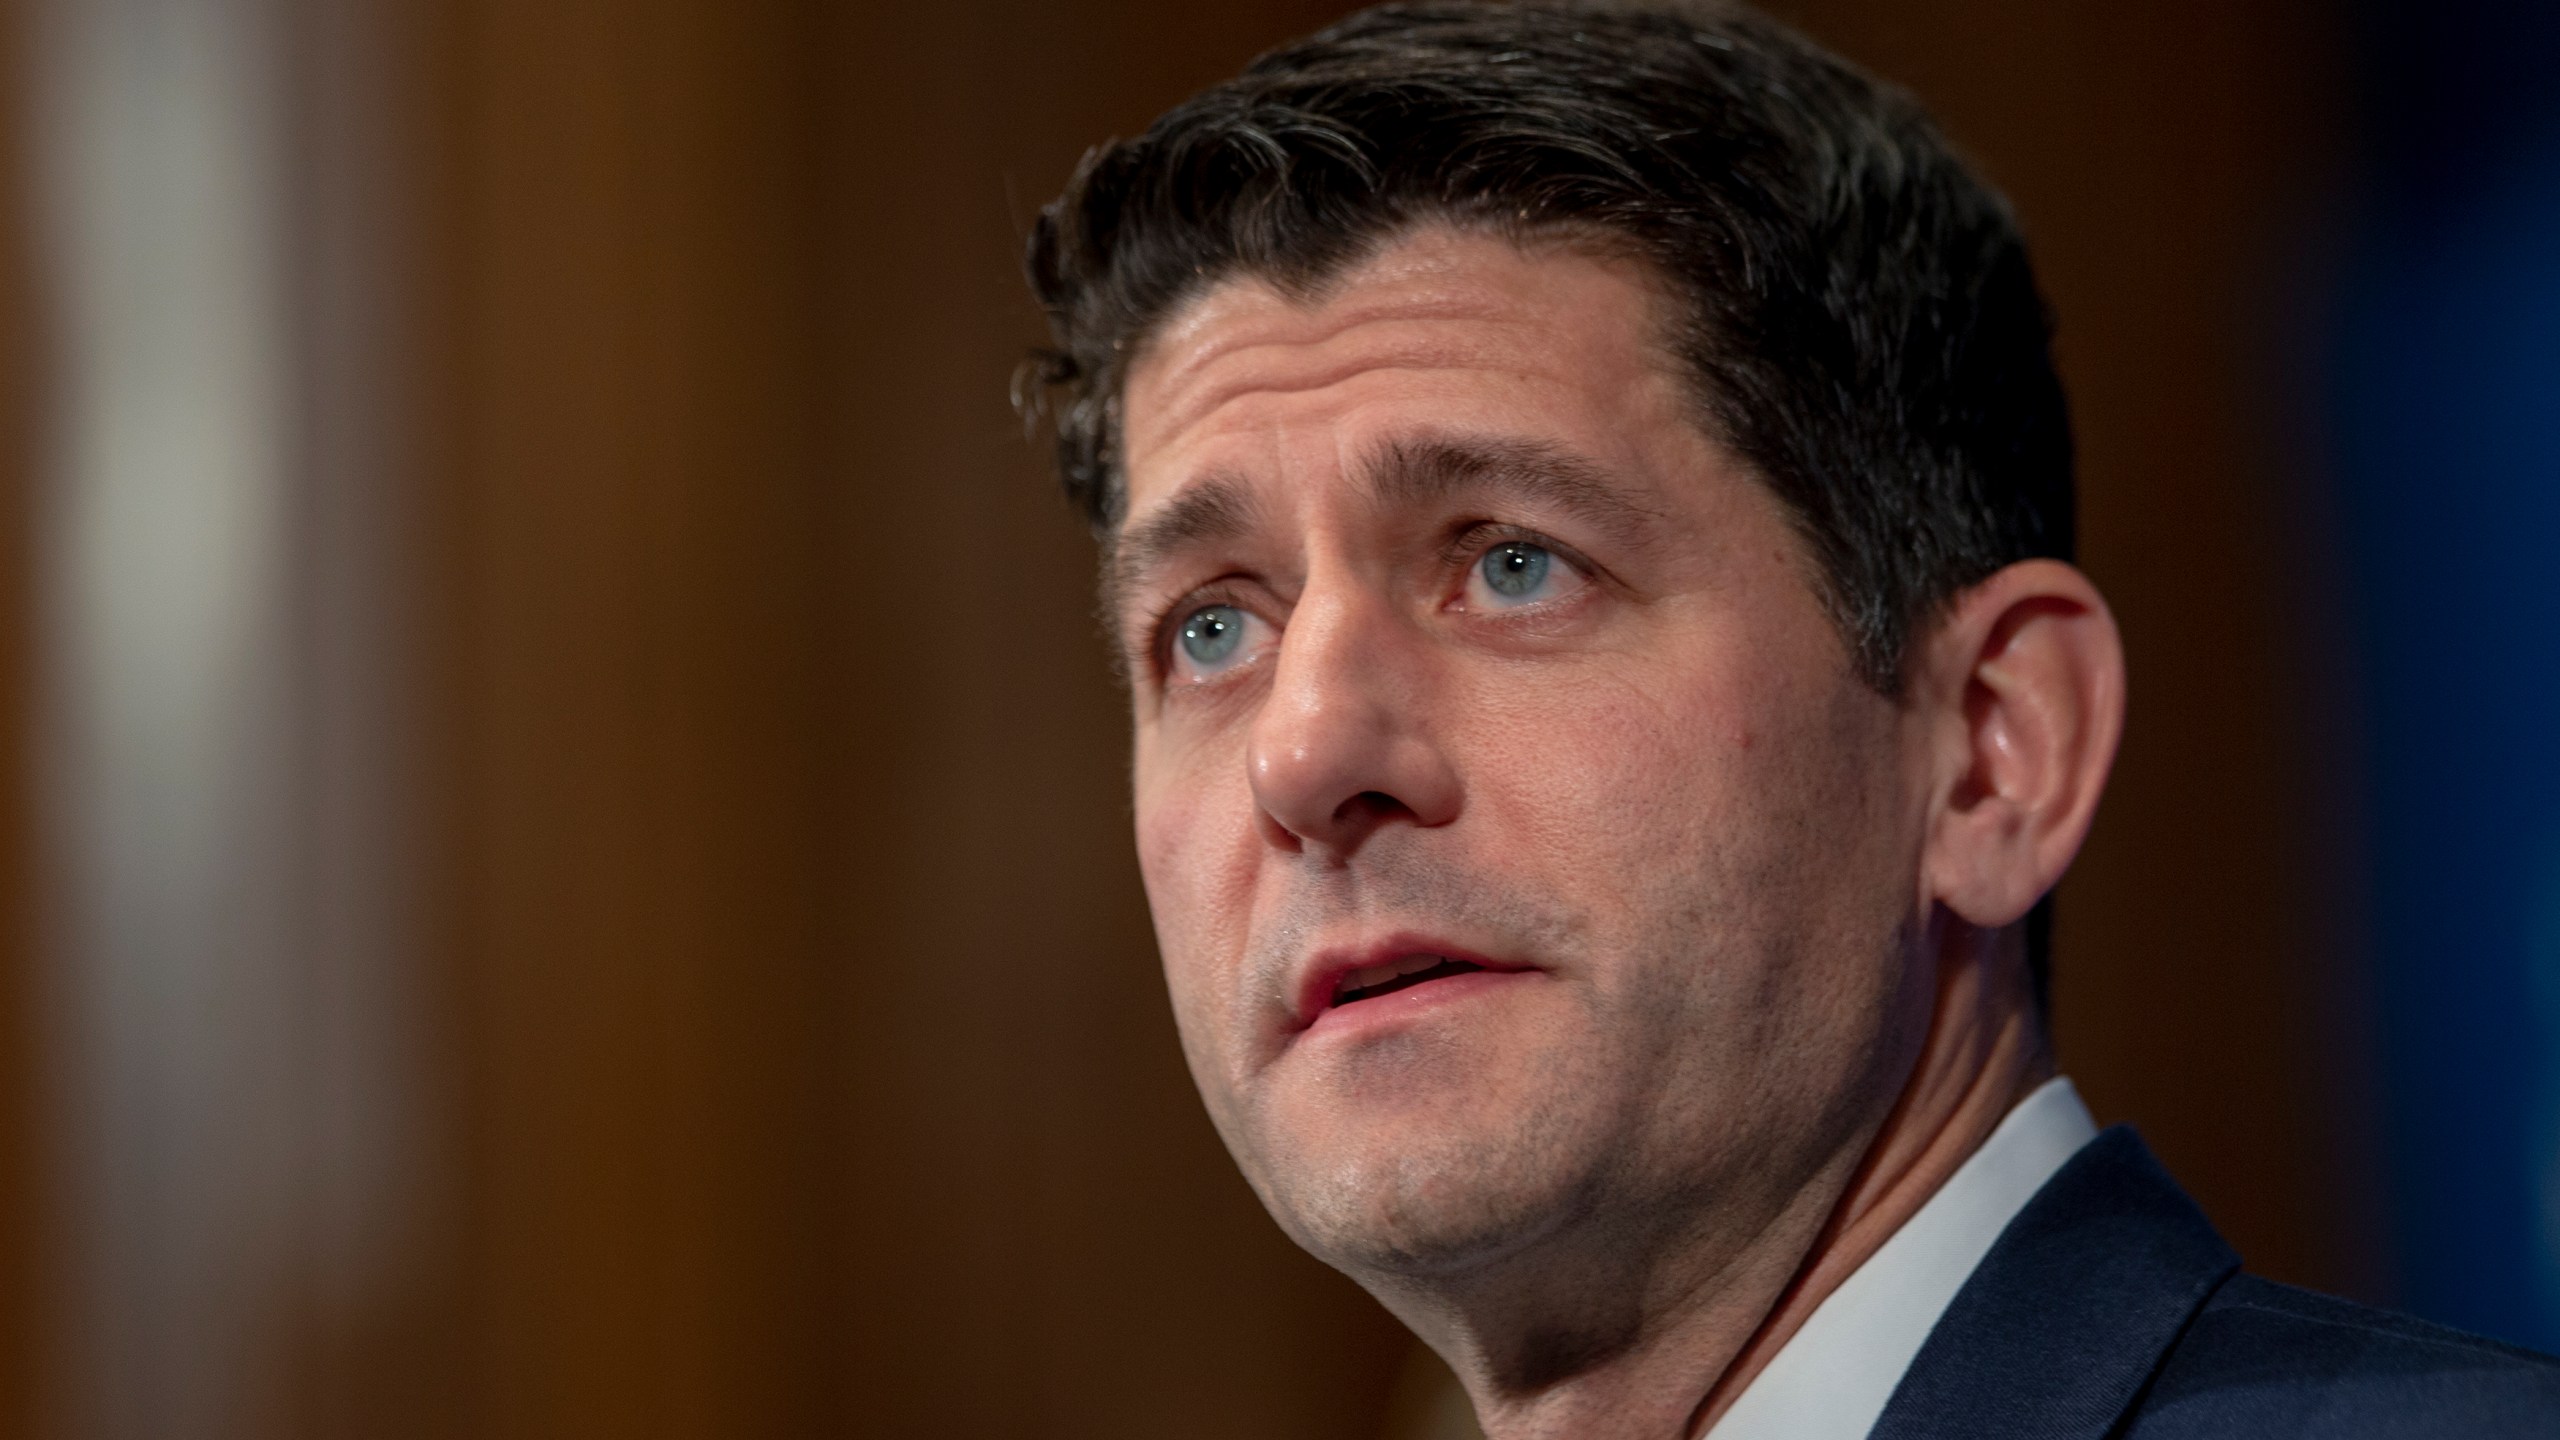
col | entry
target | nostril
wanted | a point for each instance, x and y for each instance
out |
(1372, 805)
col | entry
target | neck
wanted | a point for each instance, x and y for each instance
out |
(1684, 1363)
(1986, 1052)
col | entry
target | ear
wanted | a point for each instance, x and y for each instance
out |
(2021, 693)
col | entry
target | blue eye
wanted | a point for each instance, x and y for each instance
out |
(1211, 637)
(1516, 571)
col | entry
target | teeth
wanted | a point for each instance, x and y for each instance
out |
(1376, 975)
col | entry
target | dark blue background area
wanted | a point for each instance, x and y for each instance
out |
(2443, 411)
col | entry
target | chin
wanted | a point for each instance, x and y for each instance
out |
(1407, 1205)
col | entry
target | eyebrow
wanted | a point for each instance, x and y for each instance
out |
(1420, 474)
(1218, 506)
(1409, 474)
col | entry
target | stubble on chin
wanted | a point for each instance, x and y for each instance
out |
(1417, 1190)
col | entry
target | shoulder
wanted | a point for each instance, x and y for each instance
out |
(2110, 1310)
(2263, 1359)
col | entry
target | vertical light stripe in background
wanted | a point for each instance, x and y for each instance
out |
(224, 1038)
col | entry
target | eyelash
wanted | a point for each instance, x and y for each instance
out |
(1169, 619)
(1466, 546)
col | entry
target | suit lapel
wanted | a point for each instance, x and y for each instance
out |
(2071, 1312)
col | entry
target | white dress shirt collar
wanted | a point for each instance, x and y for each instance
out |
(1832, 1379)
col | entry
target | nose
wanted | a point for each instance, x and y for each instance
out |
(1344, 742)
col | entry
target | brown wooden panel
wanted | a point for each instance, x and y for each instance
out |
(629, 672)
(26, 1288)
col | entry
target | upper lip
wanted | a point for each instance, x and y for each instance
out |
(1322, 975)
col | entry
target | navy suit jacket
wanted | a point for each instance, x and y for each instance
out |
(2110, 1310)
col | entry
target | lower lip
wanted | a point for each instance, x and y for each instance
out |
(1411, 1004)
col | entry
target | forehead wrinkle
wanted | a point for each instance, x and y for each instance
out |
(1296, 365)
(1431, 273)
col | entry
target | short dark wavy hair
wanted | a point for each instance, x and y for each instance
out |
(1861, 321)
(1856, 307)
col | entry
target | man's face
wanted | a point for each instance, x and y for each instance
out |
(1528, 861)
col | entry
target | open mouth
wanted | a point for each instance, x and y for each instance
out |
(1376, 980)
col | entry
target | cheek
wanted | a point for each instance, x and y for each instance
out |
(1606, 763)
(1194, 832)
(1713, 786)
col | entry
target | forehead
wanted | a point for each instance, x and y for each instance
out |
(1475, 331)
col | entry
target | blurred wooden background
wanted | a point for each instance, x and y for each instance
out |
(787, 1051)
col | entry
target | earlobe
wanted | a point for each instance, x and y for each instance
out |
(2023, 686)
